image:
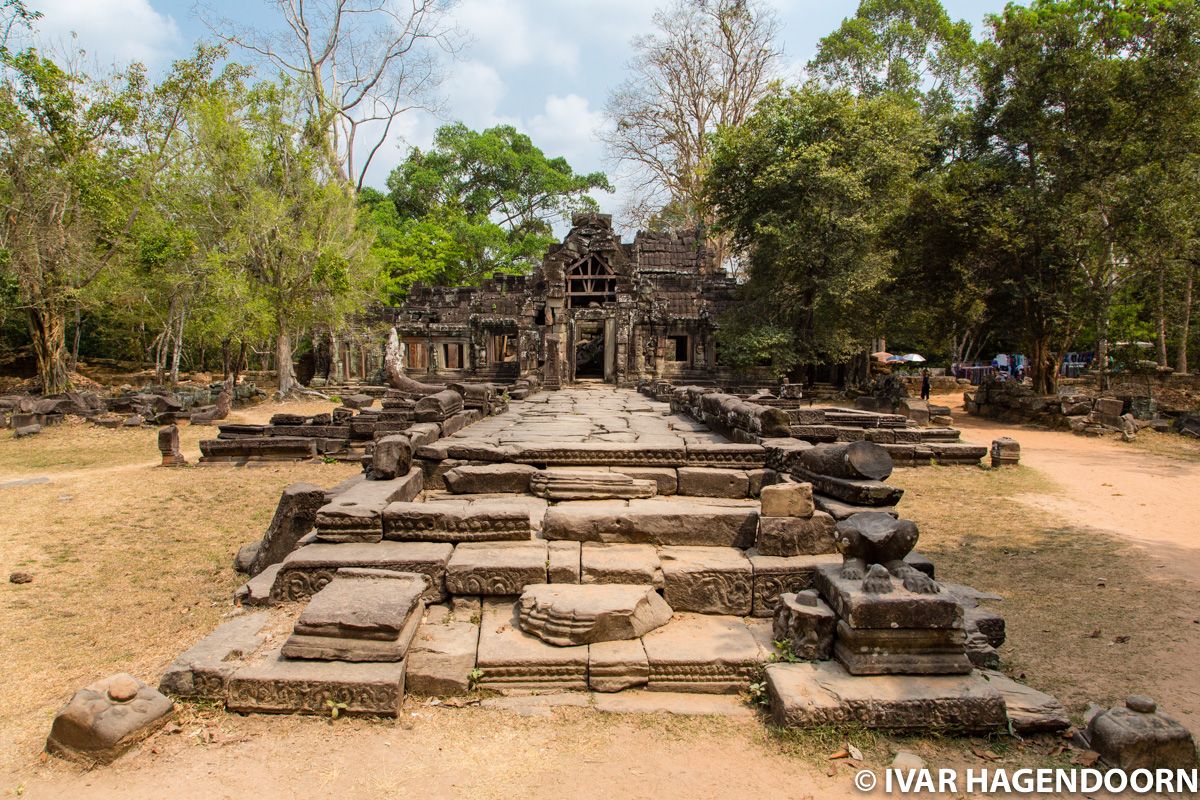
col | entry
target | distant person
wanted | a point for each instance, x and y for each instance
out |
(925, 384)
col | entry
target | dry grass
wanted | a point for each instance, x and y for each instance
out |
(1069, 594)
(130, 562)
(1171, 445)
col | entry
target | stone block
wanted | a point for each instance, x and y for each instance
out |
(1139, 737)
(840, 510)
(713, 482)
(279, 686)
(620, 563)
(727, 456)
(796, 536)
(666, 479)
(295, 516)
(496, 568)
(201, 670)
(360, 615)
(455, 522)
(707, 580)
(391, 458)
(105, 719)
(662, 521)
(898, 609)
(853, 491)
(615, 454)
(564, 484)
(571, 614)
(787, 500)
(489, 478)
(257, 590)
(823, 693)
(510, 659)
(307, 570)
(617, 666)
(803, 621)
(168, 446)
(356, 515)
(703, 653)
(564, 566)
(903, 651)
(442, 655)
(774, 576)
(1029, 711)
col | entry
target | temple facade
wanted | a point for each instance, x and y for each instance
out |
(595, 309)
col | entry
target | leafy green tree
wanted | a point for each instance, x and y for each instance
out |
(475, 204)
(807, 187)
(907, 48)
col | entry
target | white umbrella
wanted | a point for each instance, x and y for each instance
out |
(912, 357)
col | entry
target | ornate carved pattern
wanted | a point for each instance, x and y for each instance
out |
(312, 697)
(724, 592)
(495, 583)
(302, 583)
(768, 587)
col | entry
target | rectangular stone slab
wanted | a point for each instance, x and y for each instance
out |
(201, 670)
(307, 570)
(278, 686)
(707, 580)
(454, 522)
(774, 576)
(564, 564)
(356, 514)
(899, 609)
(599, 453)
(620, 563)
(796, 536)
(726, 455)
(442, 654)
(822, 693)
(703, 653)
(840, 510)
(341, 648)
(511, 659)
(496, 568)
(616, 666)
(713, 482)
(887, 651)
(363, 604)
(857, 492)
(665, 521)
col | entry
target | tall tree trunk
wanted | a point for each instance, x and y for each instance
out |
(1162, 316)
(283, 362)
(47, 329)
(75, 344)
(180, 317)
(1181, 355)
(1045, 366)
(1102, 348)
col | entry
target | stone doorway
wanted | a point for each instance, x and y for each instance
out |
(593, 350)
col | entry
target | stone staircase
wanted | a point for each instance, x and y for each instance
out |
(567, 489)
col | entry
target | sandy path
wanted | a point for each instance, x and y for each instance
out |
(1147, 499)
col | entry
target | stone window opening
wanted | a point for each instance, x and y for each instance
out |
(504, 348)
(590, 281)
(416, 354)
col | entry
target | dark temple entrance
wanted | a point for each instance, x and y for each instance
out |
(589, 350)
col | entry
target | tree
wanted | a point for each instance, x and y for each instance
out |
(475, 204)
(706, 66)
(907, 48)
(807, 188)
(362, 64)
(77, 161)
(290, 224)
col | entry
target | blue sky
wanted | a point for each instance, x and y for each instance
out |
(545, 66)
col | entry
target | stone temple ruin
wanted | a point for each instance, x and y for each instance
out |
(524, 535)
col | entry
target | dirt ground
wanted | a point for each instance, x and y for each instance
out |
(1092, 543)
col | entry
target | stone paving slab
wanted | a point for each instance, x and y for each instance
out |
(703, 653)
(307, 570)
(511, 659)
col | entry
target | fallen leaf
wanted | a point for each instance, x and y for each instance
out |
(855, 753)
(986, 755)
(1085, 758)
(1121, 639)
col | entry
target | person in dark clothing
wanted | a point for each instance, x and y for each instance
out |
(925, 387)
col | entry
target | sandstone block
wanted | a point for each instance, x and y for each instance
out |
(295, 516)
(703, 653)
(570, 614)
(775, 576)
(898, 609)
(821, 693)
(796, 536)
(105, 719)
(455, 522)
(392, 457)
(356, 515)
(509, 658)
(564, 484)
(665, 478)
(309, 569)
(201, 670)
(1139, 737)
(280, 686)
(707, 580)
(663, 521)
(617, 666)
(806, 624)
(1029, 711)
(905, 651)
(442, 654)
(564, 566)
(489, 478)
(621, 563)
(787, 500)
(496, 568)
(713, 482)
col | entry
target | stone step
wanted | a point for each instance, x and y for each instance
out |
(450, 521)
(661, 521)
(356, 514)
(307, 570)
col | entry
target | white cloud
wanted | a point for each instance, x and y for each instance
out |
(567, 126)
(505, 31)
(111, 31)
